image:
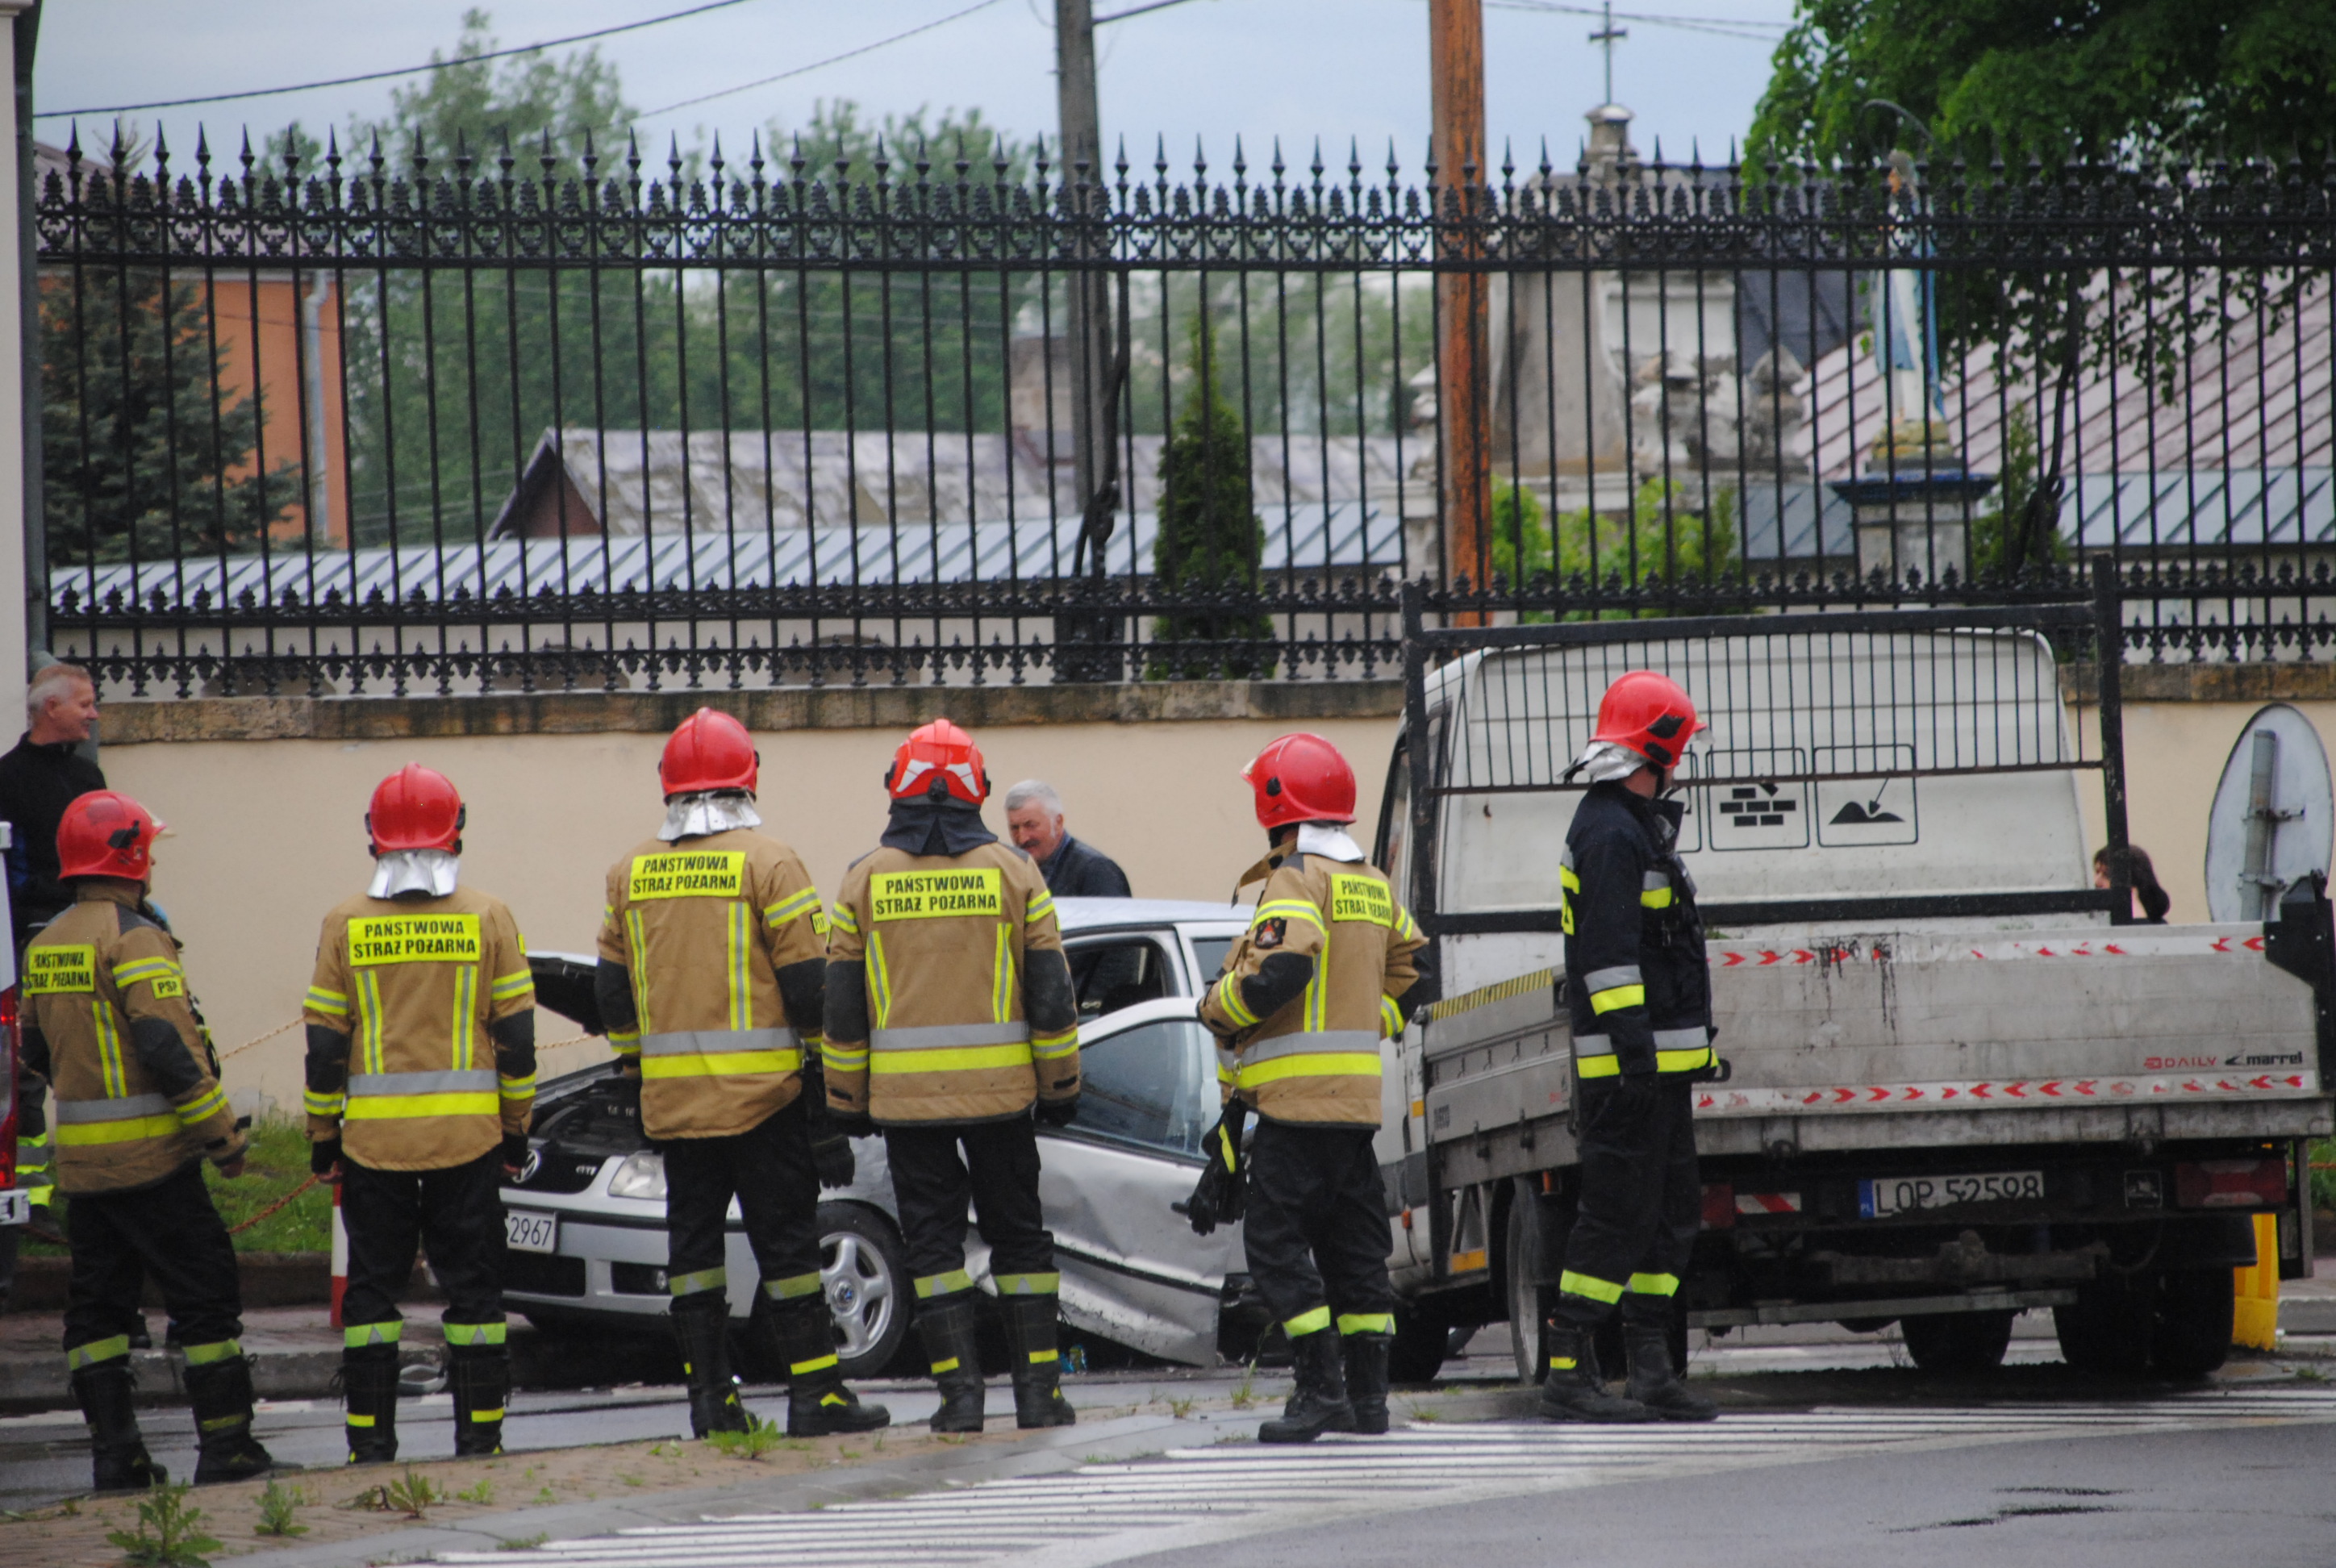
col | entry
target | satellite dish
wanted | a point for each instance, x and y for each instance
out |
(2274, 817)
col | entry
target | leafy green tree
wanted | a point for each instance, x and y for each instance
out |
(1210, 541)
(146, 453)
(1661, 543)
(2134, 82)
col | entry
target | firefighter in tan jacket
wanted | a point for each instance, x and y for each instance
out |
(949, 1017)
(421, 1080)
(1305, 997)
(137, 1108)
(712, 979)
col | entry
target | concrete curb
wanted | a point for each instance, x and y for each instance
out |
(30, 1384)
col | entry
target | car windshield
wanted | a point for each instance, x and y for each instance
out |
(1152, 1085)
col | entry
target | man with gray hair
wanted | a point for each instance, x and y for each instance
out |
(1034, 816)
(47, 772)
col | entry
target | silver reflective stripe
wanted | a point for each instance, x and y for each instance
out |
(1565, 859)
(1680, 1039)
(122, 1110)
(1598, 980)
(476, 1079)
(1594, 1044)
(948, 1036)
(716, 1042)
(1314, 1044)
(1654, 882)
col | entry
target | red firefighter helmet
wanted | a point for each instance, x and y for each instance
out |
(938, 752)
(105, 833)
(416, 808)
(1650, 714)
(1302, 778)
(709, 751)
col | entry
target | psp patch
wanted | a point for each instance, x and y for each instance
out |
(1269, 933)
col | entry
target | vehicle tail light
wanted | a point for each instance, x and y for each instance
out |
(2252, 1184)
(1718, 1206)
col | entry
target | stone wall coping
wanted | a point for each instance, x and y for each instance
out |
(2270, 682)
(132, 723)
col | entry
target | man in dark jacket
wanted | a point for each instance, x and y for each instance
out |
(1034, 816)
(43, 774)
(1638, 988)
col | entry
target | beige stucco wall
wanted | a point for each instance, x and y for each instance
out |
(2174, 753)
(268, 834)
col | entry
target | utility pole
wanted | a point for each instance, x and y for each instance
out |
(1091, 392)
(1456, 60)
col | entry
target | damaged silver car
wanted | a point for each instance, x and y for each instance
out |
(585, 1222)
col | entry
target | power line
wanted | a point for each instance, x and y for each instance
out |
(1721, 26)
(384, 75)
(816, 65)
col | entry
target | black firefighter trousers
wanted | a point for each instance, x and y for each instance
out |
(768, 1168)
(457, 1213)
(1641, 1201)
(1317, 1228)
(936, 1170)
(169, 1230)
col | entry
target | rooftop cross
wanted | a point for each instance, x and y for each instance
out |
(1607, 37)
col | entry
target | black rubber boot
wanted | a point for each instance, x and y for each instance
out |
(369, 1383)
(1654, 1382)
(479, 1377)
(1367, 1380)
(701, 1324)
(1319, 1403)
(1574, 1391)
(818, 1403)
(220, 1393)
(947, 1326)
(117, 1450)
(1033, 1336)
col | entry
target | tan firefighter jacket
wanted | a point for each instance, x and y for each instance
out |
(110, 1024)
(417, 984)
(947, 1038)
(701, 929)
(1316, 1057)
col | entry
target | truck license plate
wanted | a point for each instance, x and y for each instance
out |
(525, 1231)
(15, 1207)
(1902, 1194)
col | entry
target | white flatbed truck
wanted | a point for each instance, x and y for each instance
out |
(1957, 1083)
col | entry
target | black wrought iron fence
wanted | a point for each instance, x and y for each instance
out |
(548, 419)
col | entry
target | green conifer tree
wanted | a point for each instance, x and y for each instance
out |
(1210, 542)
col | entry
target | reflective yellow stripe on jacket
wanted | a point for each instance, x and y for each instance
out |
(463, 1091)
(128, 1118)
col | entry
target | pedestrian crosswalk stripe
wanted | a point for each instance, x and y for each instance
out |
(1106, 1512)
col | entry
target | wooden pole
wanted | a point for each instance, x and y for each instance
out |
(1456, 58)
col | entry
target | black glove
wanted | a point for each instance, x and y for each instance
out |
(831, 1155)
(323, 1156)
(514, 1151)
(1222, 1191)
(1059, 1113)
(850, 1123)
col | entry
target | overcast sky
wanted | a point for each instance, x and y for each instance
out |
(1295, 69)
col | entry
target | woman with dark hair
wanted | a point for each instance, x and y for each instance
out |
(2140, 875)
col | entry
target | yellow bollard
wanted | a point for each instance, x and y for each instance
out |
(2255, 1315)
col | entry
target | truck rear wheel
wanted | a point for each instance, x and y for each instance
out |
(1952, 1342)
(1524, 1269)
(2108, 1331)
(2194, 1322)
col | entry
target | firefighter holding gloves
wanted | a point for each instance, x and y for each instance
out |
(136, 1107)
(420, 1080)
(1639, 989)
(1305, 997)
(951, 1017)
(711, 980)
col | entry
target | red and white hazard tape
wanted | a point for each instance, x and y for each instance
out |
(1767, 1203)
(1988, 1093)
(2196, 941)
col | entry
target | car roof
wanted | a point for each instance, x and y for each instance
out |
(1076, 915)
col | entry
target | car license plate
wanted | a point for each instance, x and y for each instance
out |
(1889, 1195)
(525, 1231)
(15, 1207)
